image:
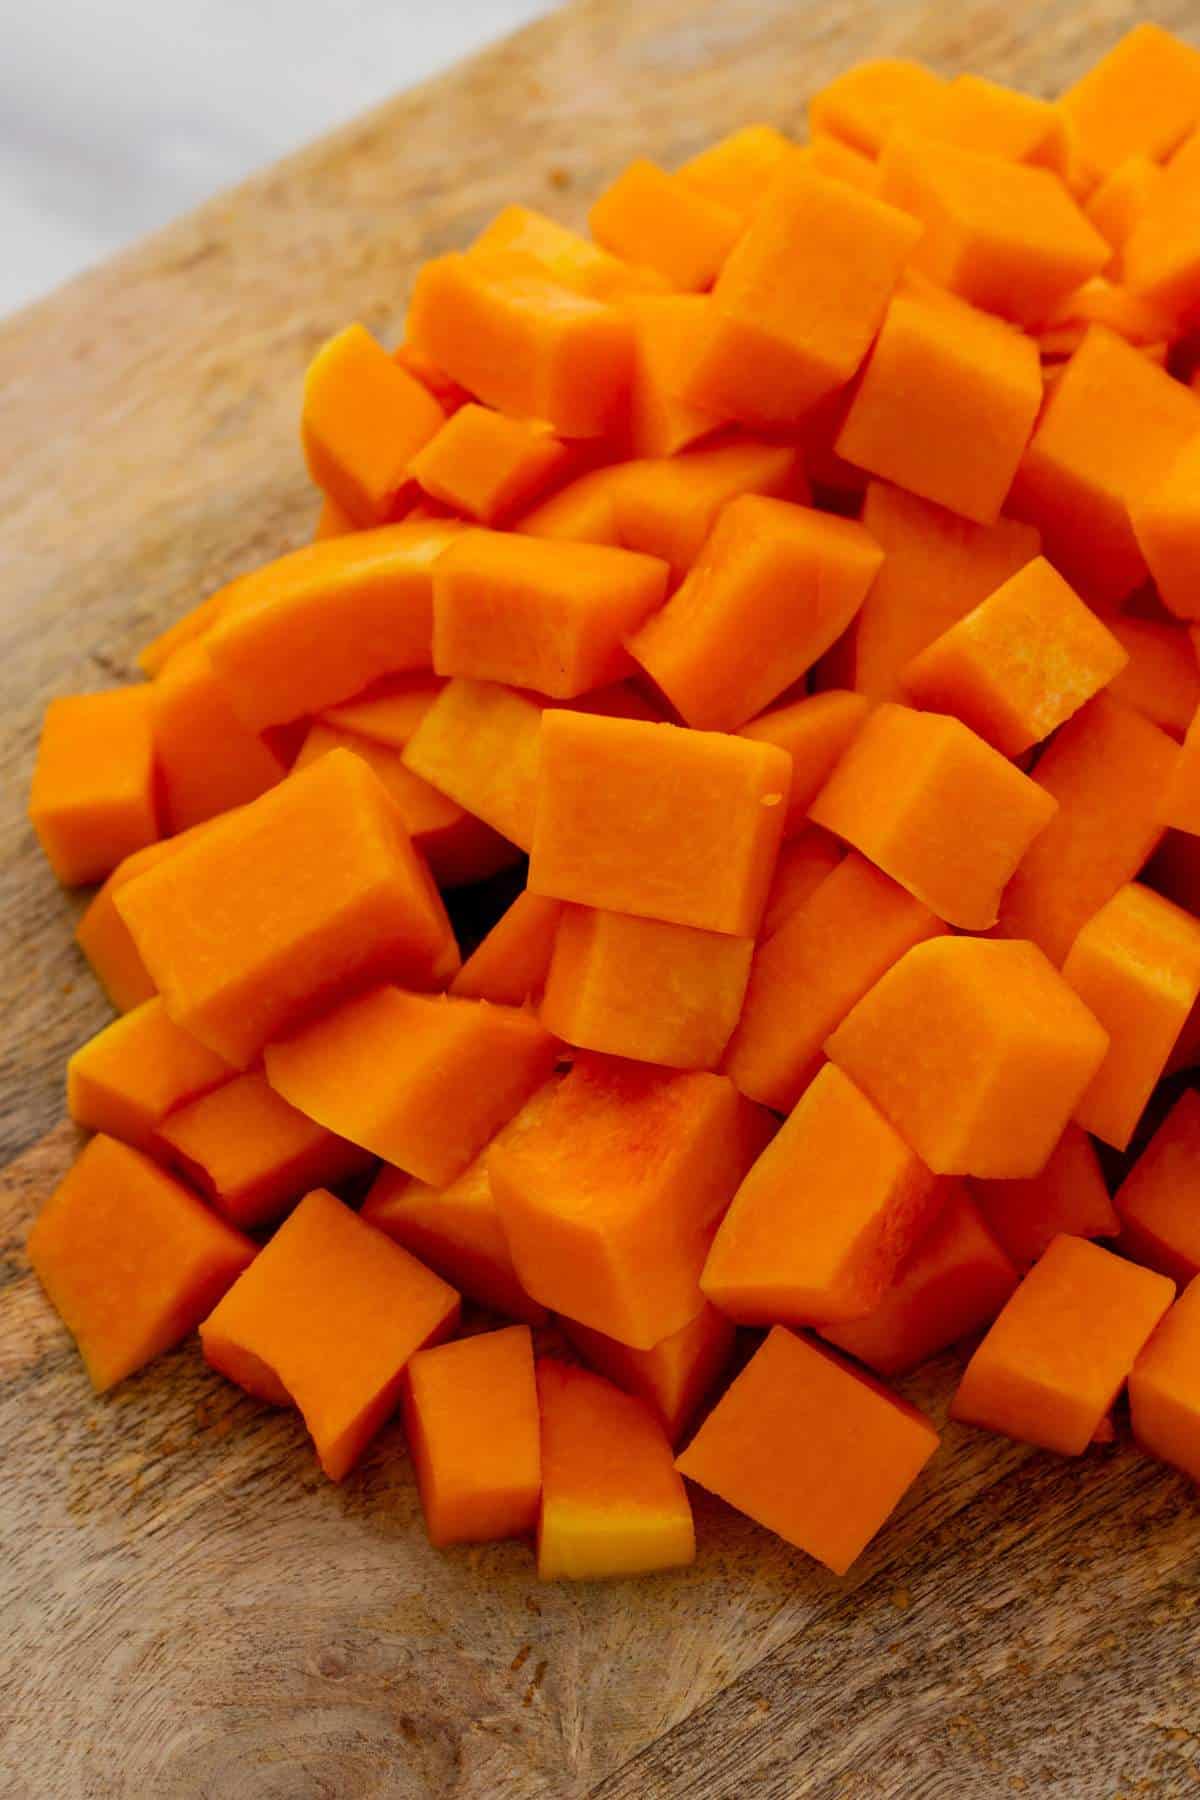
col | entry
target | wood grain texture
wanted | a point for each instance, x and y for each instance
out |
(189, 1612)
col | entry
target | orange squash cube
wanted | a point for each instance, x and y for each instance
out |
(480, 743)
(253, 926)
(1161, 262)
(667, 506)
(669, 330)
(694, 846)
(582, 512)
(1121, 199)
(673, 1377)
(1164, 1387)
(195, 623)
(209, 759)
(1021, 663)
(1051, 1366)
(657, 221)
(130, 1259)
(487, 466)
(736, 169)
(1158, 1203)
(937, 809)
(814, 1450)
(774, 586)
(1136, 965)
(602, 1232)
(472, 1424)
(1069, 1195)
(1161, 679)
(509, 966)
(815, 731)
(978, 1052)
(822, 1222)
(1144, 95)
(993, 120)
(1181, 801)
(325, 1319)
(946, 405)
(867, 102)
(953, 1282)
(612, 1504)
(566, 256)
(92, 801)
(363, 419)
(103, 935)
(126, 1079)
(332, 522)
(422, 1080)
(1166, 519)
(804, 862)
(389, 710)
(639, 988)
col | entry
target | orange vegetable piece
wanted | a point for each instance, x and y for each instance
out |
(821, 1224)
(130, 1258)
(953, 1282)
(1164, 1387)
(1162, 677)
(318, 626)
(1144, 95)
(1166, 519)
(1136, 965)
(92, 801)
(1158, 1203)
(653, 219)
(126, 1079)
(1005, 236)
(800, 298)
(978, 1052)
(423, 1081)
(814, 1450)
(1102, 302)
(612, 1503)
(1051, 1366)
(599, 1228)
(364, 418)
(668, 331)
(1021, 663)
(569, 258)
(675, 1376)
(993, 120)
(1111, 426)
(499, 323)
(1068, 1195)
(194, 624)
(332, 522)
(816, 731)
(250, 1153)
(209, 760)
(456, 1229)
(804, 862)
(936, 808)
(253, 926)
(937, 566)
(829, 156)
(390, 710)
(946, 405)
(546, 616)
(1181, 800)
(487, 466)
(695, 845)
(103, 935)
(1108, 769)
(325, 1319)
(448, 394)
(866, 103)
(582, 512)
(480, 743)
(509, 966)
(1121, 200)
(735, 170)
(815, 966)
(724, 647)
(643, 989)
(667, 506)
(1162, 253)
(472, 1424)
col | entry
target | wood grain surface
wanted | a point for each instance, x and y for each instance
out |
(188, 1611)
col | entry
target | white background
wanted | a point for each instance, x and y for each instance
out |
(117, 114)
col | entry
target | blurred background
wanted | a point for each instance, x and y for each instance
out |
(115, 115)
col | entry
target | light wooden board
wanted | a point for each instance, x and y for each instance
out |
(187, 1610)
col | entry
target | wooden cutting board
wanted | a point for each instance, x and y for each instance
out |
(188, 1611)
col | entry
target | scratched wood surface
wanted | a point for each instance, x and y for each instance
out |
(187, 1610)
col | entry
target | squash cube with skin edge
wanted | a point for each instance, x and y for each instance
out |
(1020, 664)
(487, 466)
(1158, 1203)
(953, 1282)
(421, 1080)
(612, 1503)
(610, 1197)
(1164, 1387)
(977, 1051)
(810, 1448)
(815, 731)
(946, 405)
(655, 220)
(673, 1377)
(639, 988)
(1069, 1195)
(363, 419)
(773, 588)
(472, 1425)
(130, 1258)
(92, 802)
(696, 846)
(823, 1221)
(325, 1319)
(126, 1079)
(1136, 965)
(252, 927)
(1166, 520)
(799, 299)
(1051, 1366)
(937, 809)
